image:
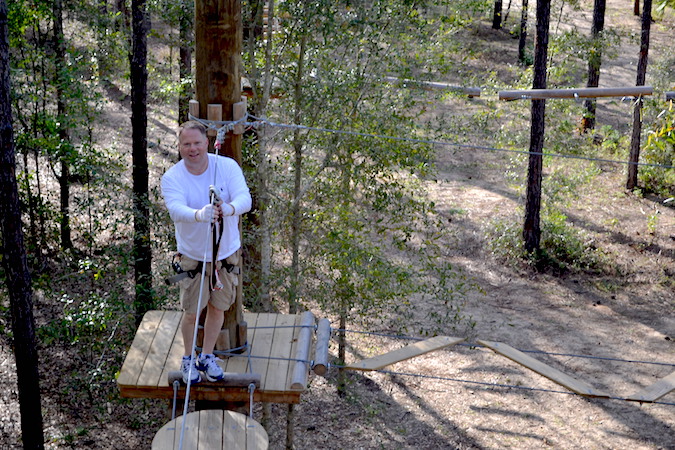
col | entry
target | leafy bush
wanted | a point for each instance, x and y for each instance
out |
(660, 150)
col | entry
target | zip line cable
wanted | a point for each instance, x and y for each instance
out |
(476, 345)
(456, 380)
(213, 124)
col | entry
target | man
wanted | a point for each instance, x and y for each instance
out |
(186, 190)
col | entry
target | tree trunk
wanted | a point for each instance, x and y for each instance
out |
(14, 263)
(297, 189)
(522, 38)
(61, 83)
(218, 38)
(594, 61)
(531, 228)
(636, 7)
(634, 158)
(186, 20)
(497, 15)
(142, 250)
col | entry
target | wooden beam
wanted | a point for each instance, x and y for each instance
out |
(545, 370)
(540, 94)
(407, 352)
(655, 391)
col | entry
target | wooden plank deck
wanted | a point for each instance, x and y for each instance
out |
(158, 346)
(655, 391)
(553, 374)
(404, 353)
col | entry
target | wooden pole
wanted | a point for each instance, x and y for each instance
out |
(301, 369)
(218, 47)
(542, 94)
(320, 366)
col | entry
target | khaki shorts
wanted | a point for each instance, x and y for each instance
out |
(222, 299)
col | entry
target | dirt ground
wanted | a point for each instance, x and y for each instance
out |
(614, 332)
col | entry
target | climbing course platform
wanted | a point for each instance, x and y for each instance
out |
(273, 345)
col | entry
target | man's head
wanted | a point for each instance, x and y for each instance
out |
(193, 146)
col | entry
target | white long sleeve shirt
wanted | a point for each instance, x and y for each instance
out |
(185, 193)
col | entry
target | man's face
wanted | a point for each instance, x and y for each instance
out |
(193, 146)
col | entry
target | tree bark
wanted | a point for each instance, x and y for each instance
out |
(142, 250)
(497, 15)
(186, 23)
(594, 61)
(218, 38)
(14, 263)
(297, 187)
(532, 227)
(634, 158)
(61, 83)
(522, 38)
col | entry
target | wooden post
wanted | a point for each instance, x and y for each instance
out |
(299, 380)
(218, 47)
(320, 366)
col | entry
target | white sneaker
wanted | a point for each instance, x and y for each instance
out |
(207, 363)
(187, 373)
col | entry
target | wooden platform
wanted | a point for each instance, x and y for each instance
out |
(158, 346)
(213, 430)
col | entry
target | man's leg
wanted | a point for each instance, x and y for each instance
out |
(212, 326)
(188, 364)
(188, 329)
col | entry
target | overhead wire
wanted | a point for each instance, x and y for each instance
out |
(260, 122)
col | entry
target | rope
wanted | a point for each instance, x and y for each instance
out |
(459, 380)
(260, 122)
(176, 384)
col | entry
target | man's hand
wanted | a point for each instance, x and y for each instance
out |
(209, 213)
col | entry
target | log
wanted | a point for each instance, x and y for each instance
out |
(301, 369)
(231, 379)
(541, 94)
(320, 366)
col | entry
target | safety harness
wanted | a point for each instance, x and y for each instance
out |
(217, 234)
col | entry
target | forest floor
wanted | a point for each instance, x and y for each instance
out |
(468, 396)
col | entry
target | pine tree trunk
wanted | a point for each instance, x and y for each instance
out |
(297, 187)
(186, 20)
(594, 61)
(60, 84)
(532, 227)
(522, 38)
(497, 15)
(634, 158)
(15, 265)
(142, 250)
